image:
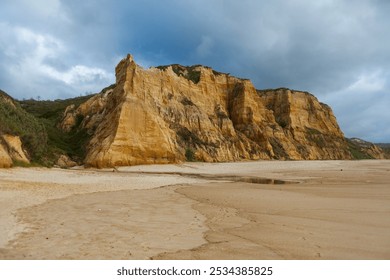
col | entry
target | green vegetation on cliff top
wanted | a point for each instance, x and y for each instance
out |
(35, 122)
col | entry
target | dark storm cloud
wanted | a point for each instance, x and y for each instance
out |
(338, 50)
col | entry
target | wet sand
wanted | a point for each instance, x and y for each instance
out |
(87, 214)
(338, 210)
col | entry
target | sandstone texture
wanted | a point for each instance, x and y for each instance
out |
(172, 114)
(88, 114)
(161, 115)
(15, 149)
(5, 159)
(11, 151)
(65, 162)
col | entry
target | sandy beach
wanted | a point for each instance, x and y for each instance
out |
(305, 210)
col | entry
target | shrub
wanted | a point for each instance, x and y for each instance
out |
(72, 143)
(16, 121)
(190, 155)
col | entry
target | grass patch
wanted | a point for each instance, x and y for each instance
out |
(188, 136)
(278, 149)
(315, 136)
(189, 72)
(190, 155)
(312, 131)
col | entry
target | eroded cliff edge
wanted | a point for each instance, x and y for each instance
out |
(173, 113)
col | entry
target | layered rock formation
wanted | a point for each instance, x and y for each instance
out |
(172, 114)
(13, 145)
(11, 151)
(5, 159)
(365, 150)
(385, 148)
(160, 115)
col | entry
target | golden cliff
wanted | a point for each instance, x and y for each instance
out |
(170, 113)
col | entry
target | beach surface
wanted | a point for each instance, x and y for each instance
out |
(242, 210)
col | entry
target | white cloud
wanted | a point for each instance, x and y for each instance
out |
(29, 55)
(328, 47)
(362, 106)
(35, 46)
(369, 82)
(77, 75)
(205, 46)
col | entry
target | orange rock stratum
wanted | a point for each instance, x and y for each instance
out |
(162, 115)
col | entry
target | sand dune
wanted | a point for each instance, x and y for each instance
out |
(338, 210)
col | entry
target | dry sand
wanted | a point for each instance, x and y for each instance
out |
(338, 210)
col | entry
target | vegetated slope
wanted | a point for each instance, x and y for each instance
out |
(49, 112)
(361, 149)
(22, 136)
(36, 124)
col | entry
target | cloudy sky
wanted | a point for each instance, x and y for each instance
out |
(338, 50)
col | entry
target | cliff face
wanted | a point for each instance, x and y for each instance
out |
(162, 115)
(172, 114)
(310, 130)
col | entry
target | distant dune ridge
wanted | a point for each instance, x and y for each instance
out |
(174, 113)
